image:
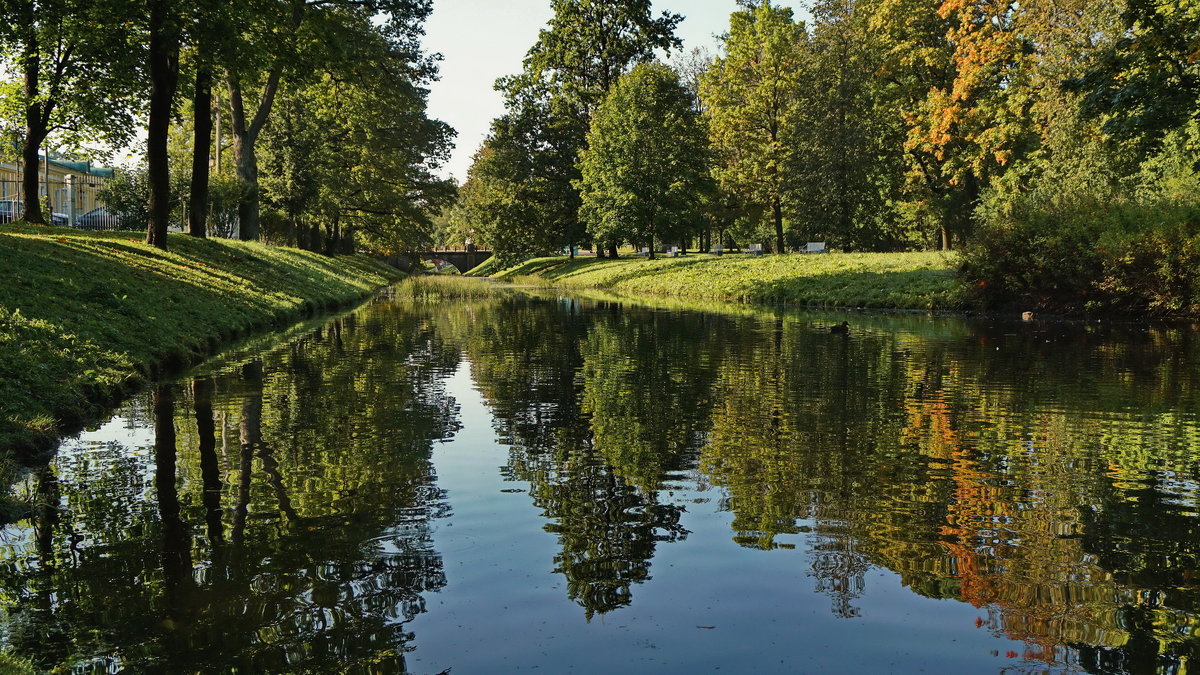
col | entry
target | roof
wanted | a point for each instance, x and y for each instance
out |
(84, 166)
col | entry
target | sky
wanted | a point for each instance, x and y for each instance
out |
(481, 40)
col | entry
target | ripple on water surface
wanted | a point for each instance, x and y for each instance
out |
(586, 486)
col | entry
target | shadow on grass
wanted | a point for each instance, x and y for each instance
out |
(84, 315)
(616, 271)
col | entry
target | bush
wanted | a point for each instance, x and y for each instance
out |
(1080, 255)
(128, 193)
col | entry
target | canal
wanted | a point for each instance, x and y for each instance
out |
(571, 485)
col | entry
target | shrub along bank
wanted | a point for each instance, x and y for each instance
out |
(1080, 255)
(85, 316)
(879, 280)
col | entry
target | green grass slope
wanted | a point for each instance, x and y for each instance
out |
(879, 280)
(86, 315)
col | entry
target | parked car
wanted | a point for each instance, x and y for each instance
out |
(13, 209)
(99, 218)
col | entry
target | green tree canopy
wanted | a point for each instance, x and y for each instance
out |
(67, 71)
(750, 97)
(645, 170)
(534, 147)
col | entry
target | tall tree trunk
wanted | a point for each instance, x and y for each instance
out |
(29, 175)
(35, 124)
(164, 78)
(331, 243)
(247, 175)
(202, 115)
(245, 136)
(246, 132)
(777, 213)
(612, 252)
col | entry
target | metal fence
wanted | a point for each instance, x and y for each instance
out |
(74, 202)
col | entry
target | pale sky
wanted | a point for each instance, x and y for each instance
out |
(482, 40)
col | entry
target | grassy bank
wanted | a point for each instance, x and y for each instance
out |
(85, 316)
(879, 280)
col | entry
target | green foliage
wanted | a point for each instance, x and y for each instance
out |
(127, 193)
(1076, 254)
(85, 315)
(79, 52)
(521, 188)
(750, 97)
(1146, 81)
(645, 171)
(846, 171)
(883, 280)
(589, 44)
(15, 665)
(515, 195)
(352, 150)
(1083, 238)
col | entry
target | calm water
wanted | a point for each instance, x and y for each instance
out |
(577, 486)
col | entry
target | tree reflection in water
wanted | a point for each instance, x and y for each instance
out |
(279, 516)
(1021, 480)
(304, 546)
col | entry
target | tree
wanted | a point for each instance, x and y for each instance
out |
(916, 58)
(77, 77)
(645, 170)
(511, 206)
(355, 150)
(279, 39)
(750, 97)
(1065, 149)
(590, 43)
(257, 60)
(1146, 80)
(577, 58)
(163, 67)
(847, 160)
(209, 28)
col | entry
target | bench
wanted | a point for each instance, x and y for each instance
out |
(814, 247)
(755, 249)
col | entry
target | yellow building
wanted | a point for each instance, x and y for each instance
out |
(67, 179)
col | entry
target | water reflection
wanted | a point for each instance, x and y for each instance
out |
(236, 534)
(274, 511)
(1043, 474)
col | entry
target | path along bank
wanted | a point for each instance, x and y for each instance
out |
(87, 316)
